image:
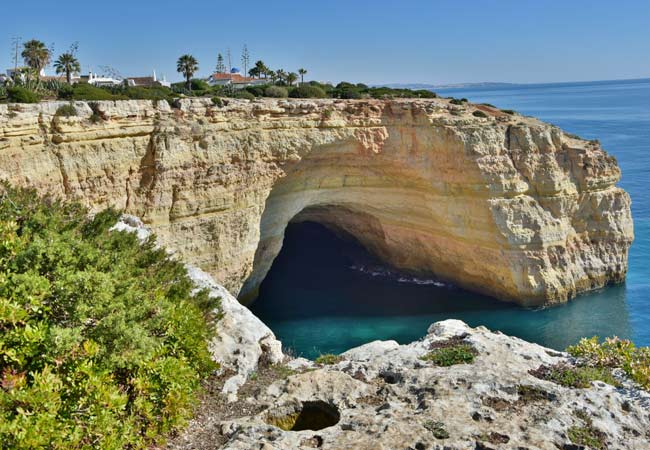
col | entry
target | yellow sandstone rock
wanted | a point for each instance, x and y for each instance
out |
(504, 205)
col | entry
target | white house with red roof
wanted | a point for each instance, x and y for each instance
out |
(234, 79)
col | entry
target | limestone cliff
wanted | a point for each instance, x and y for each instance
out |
(503, 204)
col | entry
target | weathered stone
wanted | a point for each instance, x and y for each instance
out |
(493, 402)
(505, 205)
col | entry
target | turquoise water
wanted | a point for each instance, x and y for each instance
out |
(324, 294)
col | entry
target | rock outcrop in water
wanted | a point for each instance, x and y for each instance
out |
(503, 204)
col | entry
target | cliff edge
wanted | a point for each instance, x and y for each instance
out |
(497, 203)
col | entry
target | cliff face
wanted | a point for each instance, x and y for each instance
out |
(504, 205)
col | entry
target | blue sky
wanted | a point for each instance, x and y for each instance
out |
(434, 41)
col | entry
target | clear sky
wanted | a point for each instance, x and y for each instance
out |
(407, 41)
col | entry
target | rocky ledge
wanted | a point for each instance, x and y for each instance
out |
(458, 388)
(492, 201)
(388, 396)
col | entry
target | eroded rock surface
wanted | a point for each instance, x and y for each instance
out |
(386, 396)
(505, 205)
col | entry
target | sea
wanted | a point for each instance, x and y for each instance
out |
(325, 294)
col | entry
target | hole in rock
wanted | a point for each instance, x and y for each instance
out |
(325, 293)
(310, 415)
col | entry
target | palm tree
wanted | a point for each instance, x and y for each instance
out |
(68, 64)
(36, 55)
(302, 73)
(261, 68)
(273, 75)
(280, 74)
(254, 72)
(291, 78)
(188, 66)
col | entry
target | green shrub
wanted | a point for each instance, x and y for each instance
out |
(575, 377)
(437, 429)
(66, 110)
(85, 91)
(216, 101)
(307, 91)
(199, 85)
(97, 115)
(243, 94)
(257, 91)
(3, 93)
(615, 352)
(445, 356)
(587, 435)
(65, 92)
(479, 113)
(458, 101)
(509, 111)
(148, 93)
(328, 359)
(102, 343)
(276, 92)
(347, 93)
(18, 94)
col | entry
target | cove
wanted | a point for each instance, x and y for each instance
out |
(325, 294)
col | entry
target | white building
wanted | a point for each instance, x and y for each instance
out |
(234, 79)
(99, 80)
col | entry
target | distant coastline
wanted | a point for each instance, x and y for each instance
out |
(496, 85)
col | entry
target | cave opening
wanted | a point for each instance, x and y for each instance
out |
(326, 293)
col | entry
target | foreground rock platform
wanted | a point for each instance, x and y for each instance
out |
(384, 396)
(494, 202)
(488, 393)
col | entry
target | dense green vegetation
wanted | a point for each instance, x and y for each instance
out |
(25, 92)
(102, 344)
(328, 359)
(575, 377)
(615, 352)
(449, 355)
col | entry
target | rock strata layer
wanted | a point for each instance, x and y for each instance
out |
(503, 204)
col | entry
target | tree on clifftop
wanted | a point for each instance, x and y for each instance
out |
(302, 73)
(67, 64)
(36, 56)
(188, 66)
(221, 66)
(291, 78)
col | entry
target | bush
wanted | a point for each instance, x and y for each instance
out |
(615, 352)
(102, 345)
(19, 94)
(479, 113)
(348, 93)
(148, 93)
(199, 85)
(306, 91)
(458, 101)
(574, 377)
(328, 359)
(257, 91)
(243, 94)
(276, 92)
(450, 355)
(216, 101)
(85, 91)
(65, 92)
(66, 111)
